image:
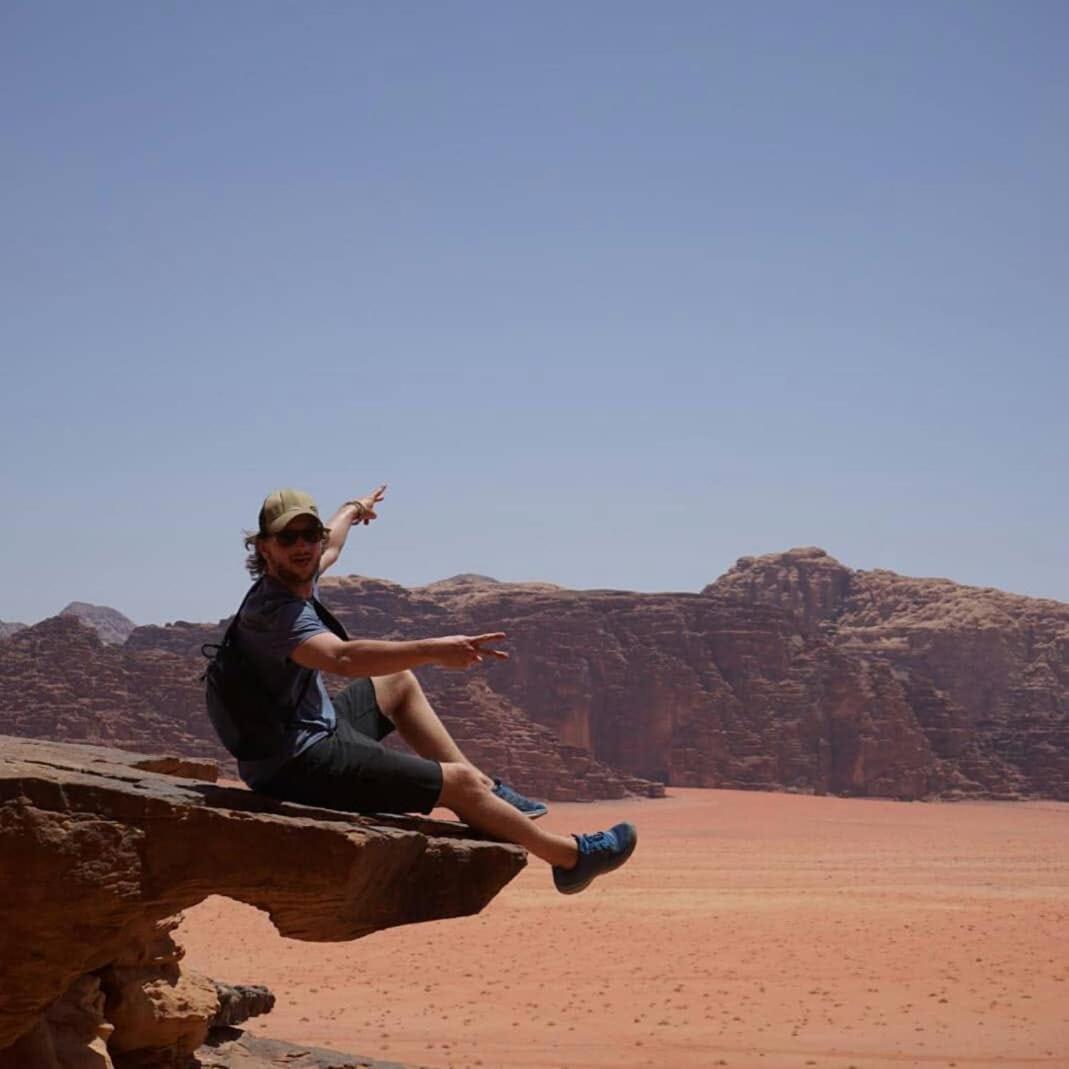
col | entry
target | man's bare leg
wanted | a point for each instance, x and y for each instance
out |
(464, 791)
(402, 699)
(465, 788)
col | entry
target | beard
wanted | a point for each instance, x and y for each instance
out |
(297, 576)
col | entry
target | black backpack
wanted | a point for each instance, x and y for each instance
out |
(248, 717)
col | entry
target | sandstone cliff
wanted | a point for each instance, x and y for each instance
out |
(687, 689)
(104, 850)
(791, 671)
(985, 673)
(58, 680)
(495, 732)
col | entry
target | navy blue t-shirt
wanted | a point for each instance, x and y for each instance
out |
(272, 624)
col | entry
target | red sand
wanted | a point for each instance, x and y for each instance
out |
(763, 930)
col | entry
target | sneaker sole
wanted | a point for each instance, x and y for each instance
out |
(620, 860)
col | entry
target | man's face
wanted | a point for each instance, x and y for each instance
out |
(293, 553)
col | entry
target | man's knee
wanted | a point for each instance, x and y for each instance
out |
(462, 785)
(394, 691)
(405, 678)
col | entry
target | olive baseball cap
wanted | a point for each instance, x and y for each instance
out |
(281, 506)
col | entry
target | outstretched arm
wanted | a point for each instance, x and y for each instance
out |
(372, 657)
(361, 510)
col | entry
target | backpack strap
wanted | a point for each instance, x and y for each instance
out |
(329, 619)
(324, 614)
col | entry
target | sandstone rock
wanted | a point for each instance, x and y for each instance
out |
(172, 765)
(80, 1032)
(232, 1049)
(680, 688)
(985, 673)
(155, 1013)
(239, 1002)
(156, 1009)
(790, 672)
(110, 624)
(7, 629)
(149, 694)
(34, 1047)
(71, 1034)
(84, 827)
(499, 737)
(58, 680)
(181, 637)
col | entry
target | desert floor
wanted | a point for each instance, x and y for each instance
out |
(749, 929)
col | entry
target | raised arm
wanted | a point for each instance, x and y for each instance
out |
(375, 657)
(360, 510)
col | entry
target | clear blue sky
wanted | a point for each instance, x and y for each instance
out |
(611, 294)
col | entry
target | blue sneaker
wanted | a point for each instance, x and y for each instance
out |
(527, 806)
(599, 852)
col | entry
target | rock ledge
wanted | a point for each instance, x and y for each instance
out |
(104, 852)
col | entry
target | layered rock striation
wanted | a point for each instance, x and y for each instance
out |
(985, 673)
(789, 672)
(149, 694)
(59, 680)
(102, 853)
(686, 689)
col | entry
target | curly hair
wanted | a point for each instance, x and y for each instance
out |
(255, 564)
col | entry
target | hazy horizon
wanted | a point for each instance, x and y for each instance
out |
(610, 295)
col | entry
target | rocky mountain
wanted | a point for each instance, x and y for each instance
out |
(110, 624)
(58, 680)
(129, 840)
(985, 673)
(7, 629)
(687, 689)
(789, 672)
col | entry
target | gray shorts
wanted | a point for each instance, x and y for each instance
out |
(351, 770)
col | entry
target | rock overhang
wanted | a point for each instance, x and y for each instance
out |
(96, 848)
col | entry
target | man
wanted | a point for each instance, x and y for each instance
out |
(332, 755)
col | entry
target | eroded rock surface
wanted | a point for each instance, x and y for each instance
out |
(984, 673)
(687, 689)
(59, 680)
(148, 693)
(789, 672)
(234, 1050)
(98, 853)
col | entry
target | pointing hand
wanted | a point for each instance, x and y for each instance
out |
(365, 506)
(462, 651)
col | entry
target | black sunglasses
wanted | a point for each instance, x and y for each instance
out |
(311, 535)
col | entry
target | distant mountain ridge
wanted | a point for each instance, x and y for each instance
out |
(790, 671)
(110, 624)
